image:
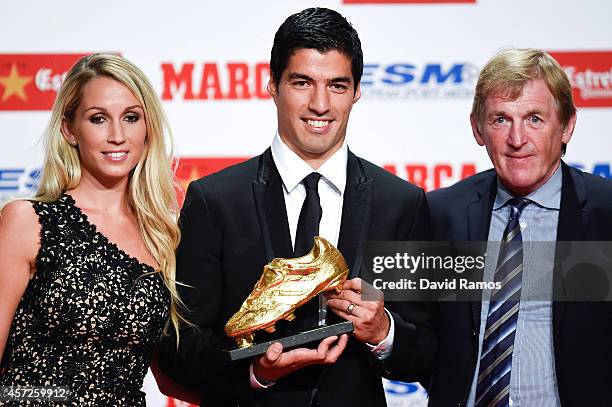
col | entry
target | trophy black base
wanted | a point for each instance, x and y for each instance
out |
(291, 341)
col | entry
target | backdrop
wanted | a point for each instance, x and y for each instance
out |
(208, 61)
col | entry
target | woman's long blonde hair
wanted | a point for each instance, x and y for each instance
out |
(151, 189)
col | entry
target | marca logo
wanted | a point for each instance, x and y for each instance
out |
(405, 80)
(590, 73)
(405, 1)
(212, 80)
(432, 176)
(440, 175)
(31, 82)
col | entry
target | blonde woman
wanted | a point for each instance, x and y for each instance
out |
(87, 266)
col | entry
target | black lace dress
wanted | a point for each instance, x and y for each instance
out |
(89, 318)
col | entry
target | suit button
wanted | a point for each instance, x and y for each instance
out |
(315, 403)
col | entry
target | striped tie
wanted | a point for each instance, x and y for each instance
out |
(493, 385)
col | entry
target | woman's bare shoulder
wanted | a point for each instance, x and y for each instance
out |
(19, 224)
(18, 213)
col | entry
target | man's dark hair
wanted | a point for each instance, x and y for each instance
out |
(316, 28)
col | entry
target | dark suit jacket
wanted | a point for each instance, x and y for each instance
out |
(233, 223)
(582, 332)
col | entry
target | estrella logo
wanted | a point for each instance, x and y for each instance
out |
(31, 81)
(590, 73)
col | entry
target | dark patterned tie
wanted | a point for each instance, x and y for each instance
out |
(498, 342)
(308, 227)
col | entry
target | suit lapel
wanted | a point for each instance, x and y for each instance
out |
(270, 207)
(356, 210)
(272, 214)
(571, 224)
(570, 227)
(478, 226)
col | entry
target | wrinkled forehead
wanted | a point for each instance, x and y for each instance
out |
(531, 94)
(508, 93)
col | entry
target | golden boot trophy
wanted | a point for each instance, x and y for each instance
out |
(284, 286)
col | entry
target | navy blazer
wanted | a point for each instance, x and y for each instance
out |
(233, 223)
(582, 332)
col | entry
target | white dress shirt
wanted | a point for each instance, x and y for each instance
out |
(292, 170)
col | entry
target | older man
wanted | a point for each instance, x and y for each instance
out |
(505, 350)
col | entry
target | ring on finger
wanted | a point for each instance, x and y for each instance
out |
(349, 309)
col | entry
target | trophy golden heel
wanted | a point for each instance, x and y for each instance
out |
(245, 341)
(271, 329)
(336, 283)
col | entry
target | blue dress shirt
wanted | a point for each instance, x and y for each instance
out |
(533, 380)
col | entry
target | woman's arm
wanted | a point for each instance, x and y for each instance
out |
(19, 245)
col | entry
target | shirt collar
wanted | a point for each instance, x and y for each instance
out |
(293, 169)
(548, 195)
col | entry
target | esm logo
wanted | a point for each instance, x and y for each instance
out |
(405, 80)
